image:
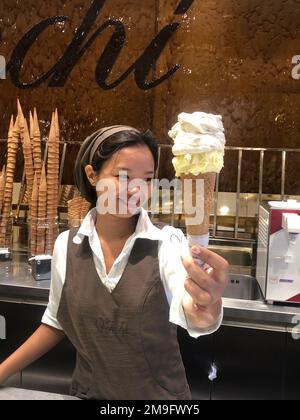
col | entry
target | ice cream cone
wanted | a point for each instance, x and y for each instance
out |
(199, 146)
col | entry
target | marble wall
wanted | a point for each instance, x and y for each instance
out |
(235, 58)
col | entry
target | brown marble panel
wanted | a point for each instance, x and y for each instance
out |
(235, 57)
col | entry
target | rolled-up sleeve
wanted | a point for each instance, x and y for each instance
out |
(173, 275)
(58, 273)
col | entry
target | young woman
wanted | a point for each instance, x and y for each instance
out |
(120, 286)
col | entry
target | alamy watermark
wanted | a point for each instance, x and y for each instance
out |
(128, 196)
(2, 67)
(2, 328)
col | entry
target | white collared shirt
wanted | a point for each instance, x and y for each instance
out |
(172, 244)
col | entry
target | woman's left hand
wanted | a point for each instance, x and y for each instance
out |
(204, 288)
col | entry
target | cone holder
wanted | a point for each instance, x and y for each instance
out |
(41, 267)
(5, 255)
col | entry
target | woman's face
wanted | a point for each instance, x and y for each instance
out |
(124, 182)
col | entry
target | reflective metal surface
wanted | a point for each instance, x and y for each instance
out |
(16, 281)
(257, 314)
(234, 255)
(243, 287)
(243, 304)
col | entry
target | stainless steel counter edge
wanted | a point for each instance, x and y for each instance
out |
(237, 313)
(259, 315)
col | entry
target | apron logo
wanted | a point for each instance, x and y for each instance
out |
(106, 326)
(58, 75)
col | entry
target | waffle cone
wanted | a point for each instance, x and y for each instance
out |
(42, 214)
(31, 128)
(53, 184)
(209, 189)
(85, 208)
(2, 188)
(67, 194)
(27, 149)
(37, 152)
(12, 148)
(34, 215)
(74, 211)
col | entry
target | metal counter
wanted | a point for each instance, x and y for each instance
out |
(261, 316)
(18, 286)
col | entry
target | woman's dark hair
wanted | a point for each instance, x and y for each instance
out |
(111, 146)
(121, 141)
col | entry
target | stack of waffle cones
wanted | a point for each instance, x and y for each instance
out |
(27, 151)
(42, 222)
(78, 208)
(35, 140)
(8, 182)
(36, 146)
(67, 193)
(85, 208)
(52, 182)
(34, 216)
(44, 199)
(2, 186)
(41, 189)
(41, 219)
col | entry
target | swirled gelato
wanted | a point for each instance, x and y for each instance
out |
(199, 144)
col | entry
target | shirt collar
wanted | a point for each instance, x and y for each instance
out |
(144, 229)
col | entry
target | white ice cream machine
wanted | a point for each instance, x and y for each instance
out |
(278, 255)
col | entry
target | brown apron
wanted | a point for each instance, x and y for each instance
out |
(126, 347)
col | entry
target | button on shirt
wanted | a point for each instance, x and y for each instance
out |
(172, 244)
